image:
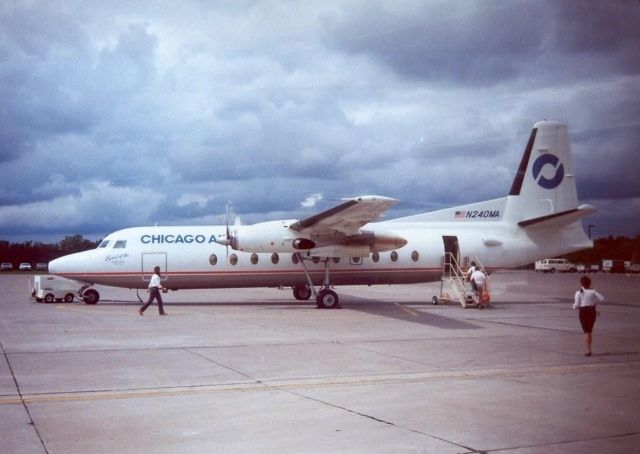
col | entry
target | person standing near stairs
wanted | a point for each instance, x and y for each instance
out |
(479, 279)
(469, 273)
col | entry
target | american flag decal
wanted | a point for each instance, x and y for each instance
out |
(460, 214)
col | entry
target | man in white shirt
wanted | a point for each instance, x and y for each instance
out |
(155, 285)
(480, 279)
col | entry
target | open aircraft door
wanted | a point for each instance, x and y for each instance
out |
(149, 261)
(451, 250)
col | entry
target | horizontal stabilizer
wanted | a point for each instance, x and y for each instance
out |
(559, 219)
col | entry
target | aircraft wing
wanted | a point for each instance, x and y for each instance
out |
(346, 218)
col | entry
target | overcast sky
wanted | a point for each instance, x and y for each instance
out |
(120, 113)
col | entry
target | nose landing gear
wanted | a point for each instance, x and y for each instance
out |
(89, 295)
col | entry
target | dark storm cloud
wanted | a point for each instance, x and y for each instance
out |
(480, 43)
(34, 103)
(596, 177)
(465, 42)
(606, 29)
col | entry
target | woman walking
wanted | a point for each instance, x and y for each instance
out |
(586, 300)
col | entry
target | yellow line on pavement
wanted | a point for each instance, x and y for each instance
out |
(287, 384)
(407, 310)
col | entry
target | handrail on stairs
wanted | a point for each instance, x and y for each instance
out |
(456, 277)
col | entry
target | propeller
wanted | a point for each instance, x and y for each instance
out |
(228, 239)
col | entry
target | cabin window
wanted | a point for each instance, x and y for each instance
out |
(233, 259)
(316, 259)
(394, 256)
(254, 258)
(213, 259)
(275, 258)
(103, 243)
(415, 256)
(120, 244)
(295, 259)
(336, 260)
(375, 257)
(356, 260)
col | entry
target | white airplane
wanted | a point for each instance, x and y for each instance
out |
(343, 246)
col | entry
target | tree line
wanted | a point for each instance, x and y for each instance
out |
(37, 252)
(614, 248)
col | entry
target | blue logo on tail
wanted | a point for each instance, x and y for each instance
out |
(548, 183)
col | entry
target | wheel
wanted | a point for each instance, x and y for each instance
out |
(68, 298)
(327, 299)
(49, 298)
(302, 293)
(553, 270)
(91, 296)
(434, 300)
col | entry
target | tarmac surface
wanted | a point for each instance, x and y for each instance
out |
(254, 371)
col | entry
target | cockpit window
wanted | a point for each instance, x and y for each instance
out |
(103, 244)
(120, 244)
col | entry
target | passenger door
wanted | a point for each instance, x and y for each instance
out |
(149, 261)
(451, 246)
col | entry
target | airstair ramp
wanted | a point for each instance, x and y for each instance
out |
(455, 278)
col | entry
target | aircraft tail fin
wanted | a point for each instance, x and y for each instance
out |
(544, 192)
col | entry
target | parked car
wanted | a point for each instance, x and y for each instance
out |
(24, 266)
(553, 265)
(42, 266)
(6, 266)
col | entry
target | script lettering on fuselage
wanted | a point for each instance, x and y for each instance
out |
(474, 214)
(119, 259)
(177, 239)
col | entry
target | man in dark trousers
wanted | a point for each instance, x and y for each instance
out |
(155, 285)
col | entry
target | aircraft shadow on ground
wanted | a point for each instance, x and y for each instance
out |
(396, 311)
(422, 318)
(367, 306)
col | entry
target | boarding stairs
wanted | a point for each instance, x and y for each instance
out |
(454, 277)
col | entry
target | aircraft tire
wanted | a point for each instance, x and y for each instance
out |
(327, 299)
(91, 296)
(302, 293)
(434, 300)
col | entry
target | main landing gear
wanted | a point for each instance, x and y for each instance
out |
(325, 297)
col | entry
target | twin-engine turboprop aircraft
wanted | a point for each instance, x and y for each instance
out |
(343, 246)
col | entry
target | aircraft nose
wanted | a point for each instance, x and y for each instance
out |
(58, 266)
(69, 264)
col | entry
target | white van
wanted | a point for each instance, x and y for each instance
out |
(53, 288)
(553, 265)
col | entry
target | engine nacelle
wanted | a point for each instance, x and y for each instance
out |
(276, 236)
(376, 241)
(271, 236)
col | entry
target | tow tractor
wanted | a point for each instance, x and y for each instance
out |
(53, 288)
